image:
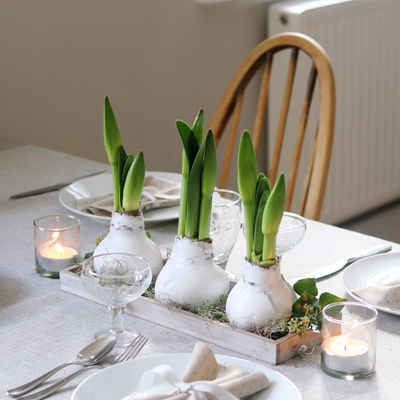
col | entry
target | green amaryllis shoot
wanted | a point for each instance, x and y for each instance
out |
(247, 179)
(258, 239)
(126, 164)
(263, 209)
(189, 136)
(190, 275)
(208, 182)
(133, 184)
(127, 172)
(112, 142)
(272, 217)
(199, 177)
(261, 297)
(126, 233)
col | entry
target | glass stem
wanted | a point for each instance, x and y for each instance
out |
(116, 318)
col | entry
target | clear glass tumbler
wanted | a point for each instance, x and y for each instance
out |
(56, 240)
(225, 224)
(348, 340)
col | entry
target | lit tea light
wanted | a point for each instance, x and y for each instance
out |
(55, 258)
(345, 354)
(56, 243)
(348, 340)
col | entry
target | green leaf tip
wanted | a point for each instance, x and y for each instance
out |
(112, 136)
(209, 172)
(247, 168)
(197, 127)
(274, 208)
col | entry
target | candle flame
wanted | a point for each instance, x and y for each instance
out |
(341, 340)
(339, 344)
(60, 249)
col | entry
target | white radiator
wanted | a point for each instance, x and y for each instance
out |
(362, 39)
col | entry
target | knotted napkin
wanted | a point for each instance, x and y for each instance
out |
(204, 379)
(157, 192)
(386, 296)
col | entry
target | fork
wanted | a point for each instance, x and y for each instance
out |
(129, 353)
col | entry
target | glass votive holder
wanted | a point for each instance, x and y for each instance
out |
(56, 239)
(348, 340)
(225, 224)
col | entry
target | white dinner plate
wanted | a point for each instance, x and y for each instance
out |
(102, 184)
(375, 270)
(120, 381)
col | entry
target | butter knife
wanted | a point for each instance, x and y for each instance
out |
(344, 262)
(52, 188)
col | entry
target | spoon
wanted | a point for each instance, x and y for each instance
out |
(90, 355)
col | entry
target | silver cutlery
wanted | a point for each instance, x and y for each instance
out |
(129, 353)
(52, 188)
(91, 354)
(344, 262)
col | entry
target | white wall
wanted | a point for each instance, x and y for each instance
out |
(157, 60)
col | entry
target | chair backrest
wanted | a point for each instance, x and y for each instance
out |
(229, 108)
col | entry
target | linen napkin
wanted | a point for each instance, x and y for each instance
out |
(204, 367)
(157, 192)
(387, 295)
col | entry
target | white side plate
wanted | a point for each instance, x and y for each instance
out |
(120, 381)
(102, 184)
(375, 270)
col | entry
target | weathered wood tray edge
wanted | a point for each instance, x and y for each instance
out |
(246, 343)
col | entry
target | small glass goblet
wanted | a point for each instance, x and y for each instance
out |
(116, 279)
(291, 231)
(225, 225)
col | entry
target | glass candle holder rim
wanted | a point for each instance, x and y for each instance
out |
(77, 222)
(350, 303)
(96, 274)
(297, 217)
(233, 202)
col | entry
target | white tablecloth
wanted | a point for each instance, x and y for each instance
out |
(41, 326)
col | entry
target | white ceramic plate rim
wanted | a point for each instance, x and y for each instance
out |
(121, 380)
(374, 270)
(102, 184)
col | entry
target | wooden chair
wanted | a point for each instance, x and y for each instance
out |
(229, 108)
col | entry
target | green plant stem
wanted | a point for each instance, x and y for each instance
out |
(115, 179)
(182, 204)
(258, 238)
(269, 248)
(247, 181)
(194, 193)
(205, 217)
(113, 144)
(248, 215)
(208, 182)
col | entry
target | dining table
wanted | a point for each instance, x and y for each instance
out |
(42, 326)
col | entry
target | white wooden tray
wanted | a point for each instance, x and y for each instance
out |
(246, 343)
